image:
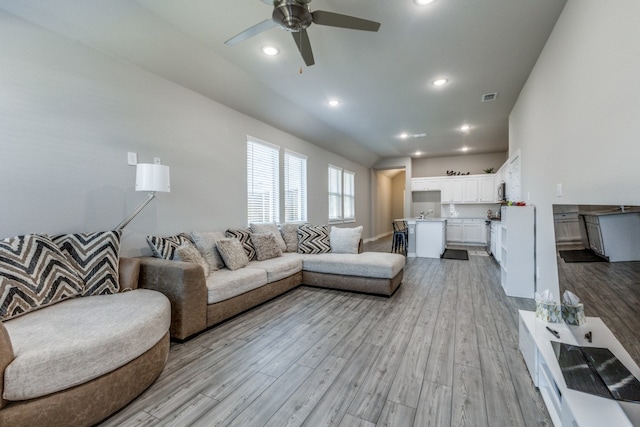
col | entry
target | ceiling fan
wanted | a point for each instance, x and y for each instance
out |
(295, 16)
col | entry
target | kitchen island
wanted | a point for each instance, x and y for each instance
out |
(427, 237)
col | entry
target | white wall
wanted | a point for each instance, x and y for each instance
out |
(383, 206)
(577, 119)
(68, 116)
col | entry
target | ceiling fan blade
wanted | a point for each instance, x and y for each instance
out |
(304, 46)
(251, 31)
(331, 19)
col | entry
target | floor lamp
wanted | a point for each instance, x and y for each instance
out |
(152, 178)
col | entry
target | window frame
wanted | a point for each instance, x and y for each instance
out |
(271, 164)
(301, 206)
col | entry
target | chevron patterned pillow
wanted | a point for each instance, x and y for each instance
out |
(95, 256)
(313, 239)
(244, 235)
(165, 247)
(34, 273)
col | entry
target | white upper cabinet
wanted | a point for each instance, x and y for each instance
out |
(460, 189)
(452, 190)
(487, 189)
(425, 184)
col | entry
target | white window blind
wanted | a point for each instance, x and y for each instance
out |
(295, 187)
(263, 204)
(335, 193)
(349, 196)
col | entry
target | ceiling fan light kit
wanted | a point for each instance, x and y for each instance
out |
(295, 16)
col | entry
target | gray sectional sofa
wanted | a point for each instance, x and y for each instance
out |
(199, 301)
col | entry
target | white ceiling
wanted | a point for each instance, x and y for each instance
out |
(383, 79)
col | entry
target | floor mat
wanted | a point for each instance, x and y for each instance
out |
(461, 254)
(581, 255)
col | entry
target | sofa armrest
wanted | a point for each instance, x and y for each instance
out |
(129, 273)
(185, 286)
(6, 357)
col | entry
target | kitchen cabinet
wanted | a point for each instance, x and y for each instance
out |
(496, 247)
(517, 259)
(430, 238)
(567, 228)
(459, 189)
(425, 184)
(452, 190)
(615, 236)
(466, 230)
(454, 231)
(474, 231)
(487, 190)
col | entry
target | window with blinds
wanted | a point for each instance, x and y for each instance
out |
(263, 203)
(349, 196)
(295, 187)
(335, 193)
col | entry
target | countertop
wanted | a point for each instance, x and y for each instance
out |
(633, 210)
(432, 219)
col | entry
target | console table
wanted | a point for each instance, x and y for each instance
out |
(569, 407)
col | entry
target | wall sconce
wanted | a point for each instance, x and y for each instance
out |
(152, 178)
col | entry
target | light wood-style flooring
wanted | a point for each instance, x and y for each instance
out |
(442, 351)
(609, 290)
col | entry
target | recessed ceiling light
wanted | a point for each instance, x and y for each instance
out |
(333, 102)
(270, 50)
(465, 128)
(404, 135)
(439, 82)
(418, 153)
(464, 149)
(423, 2)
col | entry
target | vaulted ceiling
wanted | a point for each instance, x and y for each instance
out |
(382, 79)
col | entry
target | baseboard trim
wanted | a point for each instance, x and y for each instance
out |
(379, 236)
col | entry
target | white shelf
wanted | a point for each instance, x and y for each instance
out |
(569, 407)
(518, 245)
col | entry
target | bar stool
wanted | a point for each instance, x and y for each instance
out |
(400, 238)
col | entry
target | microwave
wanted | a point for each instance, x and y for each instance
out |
(502, 192)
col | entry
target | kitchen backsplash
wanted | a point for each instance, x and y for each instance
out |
(462, 210)
(468, 211)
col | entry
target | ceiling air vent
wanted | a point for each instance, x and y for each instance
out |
(489, 96)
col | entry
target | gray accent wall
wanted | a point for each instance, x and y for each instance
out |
(577, 119)
(69, 115)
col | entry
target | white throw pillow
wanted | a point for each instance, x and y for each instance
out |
(345, 240)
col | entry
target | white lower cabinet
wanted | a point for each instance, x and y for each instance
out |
(471, 231)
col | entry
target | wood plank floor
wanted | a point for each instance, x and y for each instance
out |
(441, 351)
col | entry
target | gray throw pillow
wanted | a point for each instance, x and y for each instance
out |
(205, 241)
(345, 240)
(269, 227)
(232, 253)
(189, 253)
(266, 246)
(289, 231)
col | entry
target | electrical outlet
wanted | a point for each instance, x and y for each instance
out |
(559, 190)
(132, 158)
(156, 160)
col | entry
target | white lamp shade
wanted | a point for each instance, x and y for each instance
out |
(152, 177)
